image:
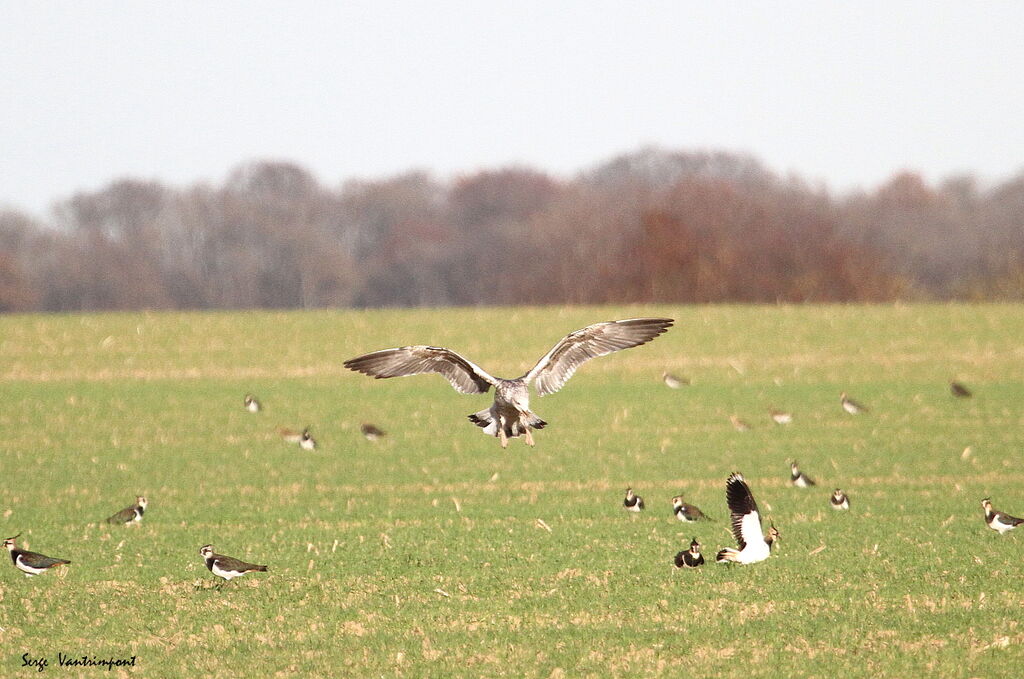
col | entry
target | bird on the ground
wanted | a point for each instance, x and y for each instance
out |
(633, 502)
(798, 478)
(687, 512)
(999, 521)
(252, 404)
(690, 558)
(753, 544)
(851, 406)
(306, 441)
(132, 514)
(509, 415)
(780, 416)
(738, 424)
(30, 563)
(839, 499)
(225, 566)
(371, 431)
(959, 390)
(673, 382)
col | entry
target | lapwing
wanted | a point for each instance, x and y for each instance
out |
(999, 521)
(289, 435)
(31, 563)
(509, 415)
(690, 558)
(225, 566)
(839, 500)
(959, 390)
(673, 382)
(371, 431)
(131, 514)
(633, 502)
(252, 404)
(686, 512)
(306, 441)
(798, 478)
(780, 416)
(738, 424)
(753, 544)
(851, 406)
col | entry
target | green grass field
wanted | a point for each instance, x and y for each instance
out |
(426, 554)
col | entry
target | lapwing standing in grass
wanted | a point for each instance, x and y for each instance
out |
(851, 406)
(633, 502)
(673, 382)
(686, 512)
(131, 514)
(252, 404)
(306, 441)
(30, 563)
(738, 424)
(798, 478)
(690, 558)
(225, 566)
(999, 521)
(289, 435)
(753, 544)
(780, 416)
(959, 390)
(839, 500)
(371, 431)
(509, 416)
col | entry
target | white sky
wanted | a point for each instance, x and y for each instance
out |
(844, 93)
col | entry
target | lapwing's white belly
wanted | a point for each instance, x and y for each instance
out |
(26, 569)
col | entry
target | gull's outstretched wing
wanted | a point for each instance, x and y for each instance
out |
(600, 339)
(466, 377)
(746, 522)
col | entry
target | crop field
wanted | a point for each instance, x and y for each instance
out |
(433, 552)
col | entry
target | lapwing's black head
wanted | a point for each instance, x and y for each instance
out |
(206, 551)
(9, 542)
(677, 500)
(694, 546)
(987, 504)
(141, 501)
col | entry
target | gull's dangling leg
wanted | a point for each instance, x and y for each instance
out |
(529, 436)
(501, 431)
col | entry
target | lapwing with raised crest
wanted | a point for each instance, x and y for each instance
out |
(839, 500)
(690, 558)
(851, 406)
(999, 521)
(673, 382)
(306, 441)
(372, 432)
(509, 416)
(30, 563)
(798, 478)
(959, 390)
(685, 512)
(633, 502)
(225, 566)
(252, 404)
(780, 416)
(753, 544)
(131, 514)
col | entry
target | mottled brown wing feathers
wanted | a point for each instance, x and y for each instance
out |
(600, 339)
(465, 377)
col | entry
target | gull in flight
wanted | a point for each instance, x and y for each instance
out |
(510, 416)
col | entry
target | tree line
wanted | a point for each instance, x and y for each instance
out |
(650, 226)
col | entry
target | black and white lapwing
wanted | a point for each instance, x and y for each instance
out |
(372, 432)
(673, 382)
(798, 478)
(851, 406)
(131, 514)
(999, 521)
(633, 502)
(225, 566)
(753, 544)
(959, 390)
(686, 512)
(252, 404)
(509, 416)
(780, 416)
(839, 500)
(31, 563)
(738, 424)
(306, 441)
(690, 558)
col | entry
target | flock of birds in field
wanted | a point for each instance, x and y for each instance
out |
(510, 416)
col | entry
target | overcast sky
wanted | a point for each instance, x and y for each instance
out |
(843, 93)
